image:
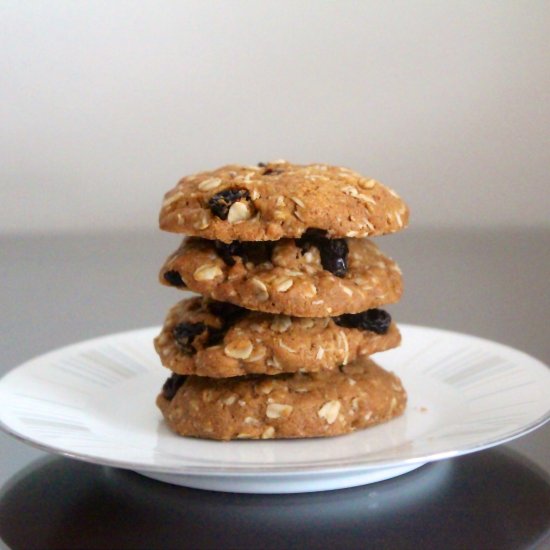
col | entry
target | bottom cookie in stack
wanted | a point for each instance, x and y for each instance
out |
(298, 405)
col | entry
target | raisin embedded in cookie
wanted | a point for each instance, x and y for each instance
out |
(292, 277)
(277, 200)
(320, 404)
(220, 340)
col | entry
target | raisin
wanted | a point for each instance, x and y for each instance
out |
(227, 251)
(334, 256)
(173, 278)
(185, 333)
(221, 202)
(228, 314)
(172, 385)
(374, 320)
(334, 252)
(250, 251)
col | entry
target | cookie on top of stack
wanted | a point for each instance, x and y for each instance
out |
(278, 344)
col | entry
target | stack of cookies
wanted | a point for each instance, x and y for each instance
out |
(278, 343)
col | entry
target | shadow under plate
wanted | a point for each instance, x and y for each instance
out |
(491, 499)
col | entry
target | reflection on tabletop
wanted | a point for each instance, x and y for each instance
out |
(491, 499)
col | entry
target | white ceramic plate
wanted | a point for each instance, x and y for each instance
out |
(95, 401)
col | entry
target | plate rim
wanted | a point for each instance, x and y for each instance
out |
(353, 465)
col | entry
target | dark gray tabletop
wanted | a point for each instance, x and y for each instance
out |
(59, 290)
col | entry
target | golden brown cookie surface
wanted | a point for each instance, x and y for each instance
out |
(288, 279)
(321, 404)
(278, 200)
(219, 340)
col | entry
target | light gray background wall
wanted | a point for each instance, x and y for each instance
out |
(105, 104)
